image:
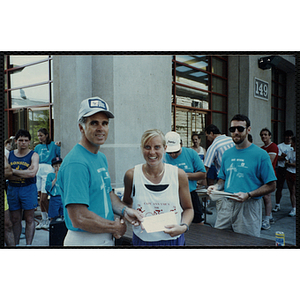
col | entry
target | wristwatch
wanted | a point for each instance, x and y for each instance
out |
(249, 196)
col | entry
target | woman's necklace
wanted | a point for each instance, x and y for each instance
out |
(154, 175)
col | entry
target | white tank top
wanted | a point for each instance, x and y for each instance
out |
(152, 199)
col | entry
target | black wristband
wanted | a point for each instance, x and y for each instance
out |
(187, 226)
(249, 196)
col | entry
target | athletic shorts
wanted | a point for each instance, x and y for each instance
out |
(212, 172)
(242, 217)
(55, 207)
(41, 176)
(290, 176)
(83, 238)
(180, 241)
(5, 202)
(22, 197)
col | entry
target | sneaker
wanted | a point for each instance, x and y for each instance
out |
(292, 212)
(265, 225)
(272, 221)
(45, 225)
(39, 226)
(276, 208)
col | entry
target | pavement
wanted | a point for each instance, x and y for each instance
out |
(283, 222)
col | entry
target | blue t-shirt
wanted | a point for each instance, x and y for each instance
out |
(83, 178)
(189, 161)
(245, 170)
(47, 152)
(55, 191)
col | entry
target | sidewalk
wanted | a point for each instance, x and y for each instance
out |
(283, 222)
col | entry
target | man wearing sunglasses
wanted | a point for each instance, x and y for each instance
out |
(246, 172)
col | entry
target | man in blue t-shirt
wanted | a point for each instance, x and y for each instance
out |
(188, 160)
(247, 172)
(87, 196)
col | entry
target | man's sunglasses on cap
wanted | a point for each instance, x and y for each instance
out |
(239, 128)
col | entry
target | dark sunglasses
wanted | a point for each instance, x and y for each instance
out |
(239, 128)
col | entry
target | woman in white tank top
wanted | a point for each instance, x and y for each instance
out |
(155, 188)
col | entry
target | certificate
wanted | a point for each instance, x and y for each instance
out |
(158, 222)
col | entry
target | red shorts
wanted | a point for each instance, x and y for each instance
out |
(290, 176)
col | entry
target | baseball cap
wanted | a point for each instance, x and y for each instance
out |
(56, 160)
(91, 106)
(172, 141)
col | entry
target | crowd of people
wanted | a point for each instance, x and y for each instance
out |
(78, 189)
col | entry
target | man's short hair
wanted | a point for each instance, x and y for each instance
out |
(239, 117)
(23, 132)
(288, 133)
(212, 128)
(196, 134)
(266, 129)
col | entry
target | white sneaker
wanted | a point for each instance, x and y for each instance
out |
(276, 208)
(292, 212)
(39, 226)
(45, 224)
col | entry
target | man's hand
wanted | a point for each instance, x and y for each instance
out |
(133, 216)
(212, 188)
(240, 197)
(120, 228)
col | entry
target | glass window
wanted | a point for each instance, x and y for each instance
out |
(29, 75)
(220, 120)
(38, 95)
(19, 60)
(219, 66)
(197, 61)
(189, 76)
(191, 97)
(219, 103)
(219, 85)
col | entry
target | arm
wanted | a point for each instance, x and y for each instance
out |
(196, 176)
(219, 186)
(186, 204)
(86, 220)
(31, 171)
(7, 168)
(263, 190)
(131, 215)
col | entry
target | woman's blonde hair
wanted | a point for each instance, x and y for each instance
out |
(151, 133)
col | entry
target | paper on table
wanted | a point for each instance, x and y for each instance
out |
(158, 222)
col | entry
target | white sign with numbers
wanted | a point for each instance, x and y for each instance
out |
(261, 89)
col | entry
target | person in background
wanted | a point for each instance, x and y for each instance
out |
(8, 146)
(8, 228)
(157, 188)
(52, 189)
(291, 175)
(213, 159)
(272, 150)
(283, 149)
(22, 191)
(47, 150)
(246, 172)
(86, 192)
(196, 138)
(188, 160)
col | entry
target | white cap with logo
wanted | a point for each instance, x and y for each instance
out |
(93, 105)
(172, 141)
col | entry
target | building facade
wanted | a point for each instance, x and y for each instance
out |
(184, 93)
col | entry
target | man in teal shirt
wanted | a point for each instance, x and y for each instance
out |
(87, 196)
(188, 160)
